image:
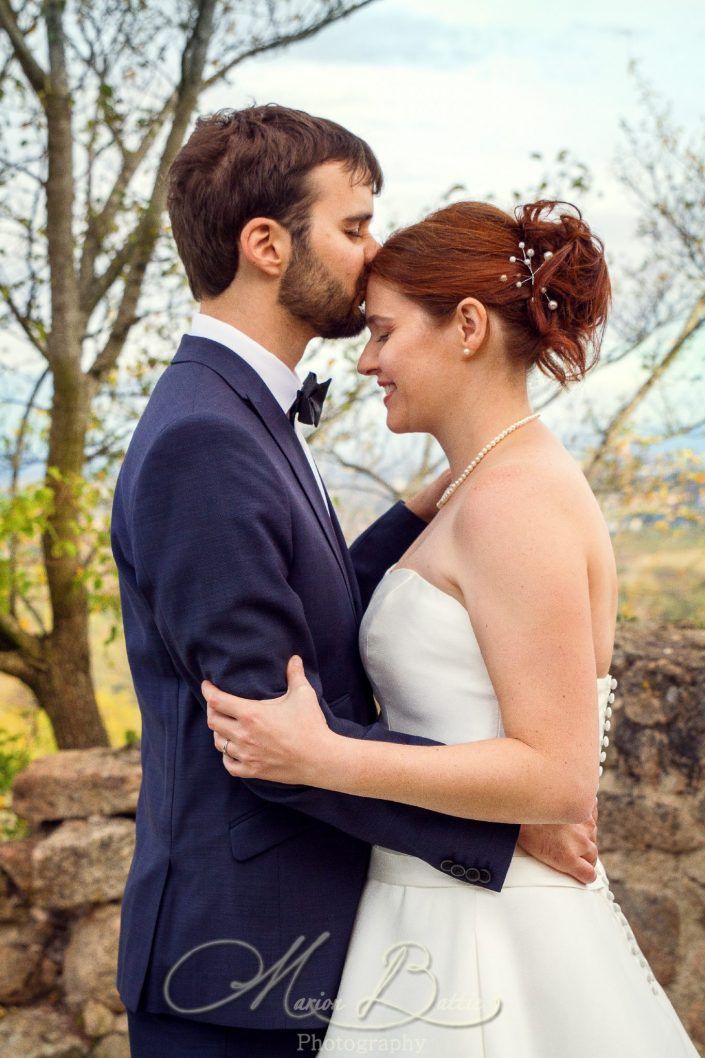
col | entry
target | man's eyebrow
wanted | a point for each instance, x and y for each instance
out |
(358, 218)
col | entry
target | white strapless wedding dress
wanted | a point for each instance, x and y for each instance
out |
(546, 968)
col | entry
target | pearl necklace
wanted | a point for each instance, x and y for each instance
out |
(481, 455)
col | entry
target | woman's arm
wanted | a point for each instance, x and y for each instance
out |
(522, 571)
(386, 540)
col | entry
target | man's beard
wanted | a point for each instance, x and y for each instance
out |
(312, 293)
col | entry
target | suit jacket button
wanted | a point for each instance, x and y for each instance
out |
(457, 870)
(472, 874)
(485, 875)
(446, 865)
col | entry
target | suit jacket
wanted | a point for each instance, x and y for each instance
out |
(228, 564)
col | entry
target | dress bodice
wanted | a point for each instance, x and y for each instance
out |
(426, 669)
(467, 971)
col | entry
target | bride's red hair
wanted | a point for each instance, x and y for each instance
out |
(463, 250)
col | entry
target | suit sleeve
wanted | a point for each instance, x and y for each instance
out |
(383, 544)
(212, 543)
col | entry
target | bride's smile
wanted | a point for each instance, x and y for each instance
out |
(452, 378)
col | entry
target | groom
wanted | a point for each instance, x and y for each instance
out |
(242, 894)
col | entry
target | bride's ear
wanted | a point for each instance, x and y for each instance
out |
(471, 319)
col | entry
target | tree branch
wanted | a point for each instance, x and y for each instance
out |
(366, 472)
(16, 463)
(13, 664)
(14, 639)
(695, 320)
(64, 338)
(32, 70)
(287, 38)
(24, 321)
(93, 287)
(193, 61)
(37, 617)
(682, 428)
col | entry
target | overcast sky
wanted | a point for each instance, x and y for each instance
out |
(456, 91)
(461, 91)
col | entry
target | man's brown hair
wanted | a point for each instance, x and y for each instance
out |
(239, 164)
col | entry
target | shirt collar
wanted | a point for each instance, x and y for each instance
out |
(282, 382)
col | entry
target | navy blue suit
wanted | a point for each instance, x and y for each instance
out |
(229, 564)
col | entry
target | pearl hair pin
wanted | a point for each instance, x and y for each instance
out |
(527, 261)
(481, 455)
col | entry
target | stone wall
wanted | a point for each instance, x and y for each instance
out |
(651, 806)
(60, 887)
(60, 891)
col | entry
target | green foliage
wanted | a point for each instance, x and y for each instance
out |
(24, 519)
(14, 757)
(131, 737)
(639, 486)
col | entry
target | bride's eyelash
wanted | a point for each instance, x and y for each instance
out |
(382, 337)
(355, 234)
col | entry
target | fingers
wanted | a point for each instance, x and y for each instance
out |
(220, 722)
(237, 768)
(295, 674)
(229, 704)
(585, 872)
(221, 737)
(583, 868)
(224, 728)
(584, 841)
(241, 763)
(235, 756)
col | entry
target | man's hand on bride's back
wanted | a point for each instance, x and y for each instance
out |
(423, 503)
(568, 847)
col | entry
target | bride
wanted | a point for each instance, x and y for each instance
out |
(493, 634)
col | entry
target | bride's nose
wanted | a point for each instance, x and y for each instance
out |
(366, 364)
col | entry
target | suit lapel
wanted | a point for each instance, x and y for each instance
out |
(283, 433)
(247, 383)
(345, 551)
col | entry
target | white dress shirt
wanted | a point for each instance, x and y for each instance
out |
(282, 382)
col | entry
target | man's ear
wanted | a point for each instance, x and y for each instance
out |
(266, 245)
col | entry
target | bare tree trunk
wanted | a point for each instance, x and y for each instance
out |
(65, 686)
(55, 662)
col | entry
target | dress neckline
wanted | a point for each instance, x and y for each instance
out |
(601, 680)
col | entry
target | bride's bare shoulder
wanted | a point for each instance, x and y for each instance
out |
(527, 494)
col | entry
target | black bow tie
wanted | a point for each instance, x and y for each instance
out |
(309, 400)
